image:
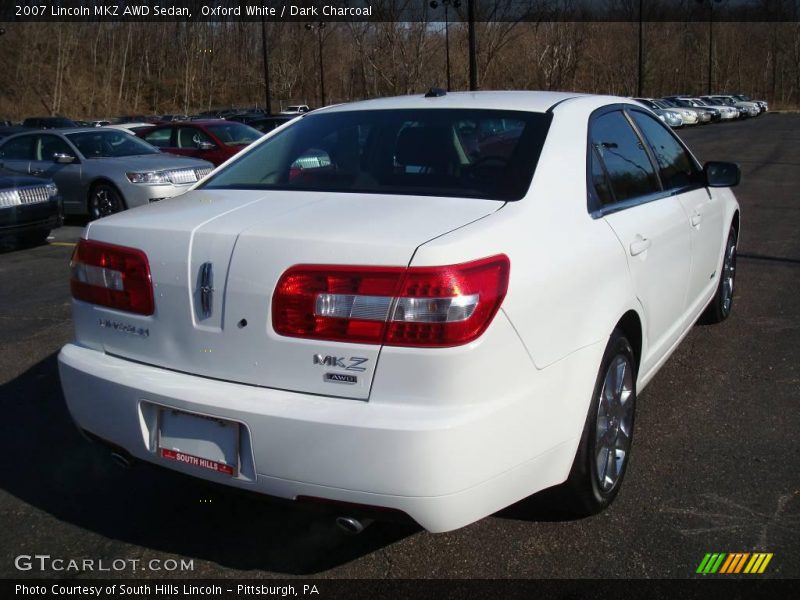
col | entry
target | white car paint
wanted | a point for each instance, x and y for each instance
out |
(446, 435)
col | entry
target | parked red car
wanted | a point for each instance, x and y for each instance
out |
(214, 140)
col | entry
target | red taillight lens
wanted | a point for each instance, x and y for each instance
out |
(448, 306)
(310, 301)
(416, 306)
(113, 276)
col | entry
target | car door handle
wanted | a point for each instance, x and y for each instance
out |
(696, 219)
(639, 245)
(36, 172)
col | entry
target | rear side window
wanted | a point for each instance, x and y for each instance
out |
(159, 138)
(600, 180)
(621, 152)
(18, 149)
(488, 154)
(675, 166)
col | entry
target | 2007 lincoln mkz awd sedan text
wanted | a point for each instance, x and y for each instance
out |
(438, 305)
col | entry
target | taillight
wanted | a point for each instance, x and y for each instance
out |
(415, 306)
(112, 276)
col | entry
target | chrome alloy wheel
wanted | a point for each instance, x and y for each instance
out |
(614, 424)
(728, 275)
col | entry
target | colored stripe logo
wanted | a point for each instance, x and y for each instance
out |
(734, 563)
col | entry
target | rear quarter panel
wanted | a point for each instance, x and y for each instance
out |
(569, 281)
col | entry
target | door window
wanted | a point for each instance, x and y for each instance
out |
(675, 166)
(191, 137)
(48, 145)
(18, 149)
(630, 172)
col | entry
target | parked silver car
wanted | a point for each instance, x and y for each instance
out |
(726, 112)
(703, 117)
(101, 171)
(762, 104)
(686, 116)
(746, 109)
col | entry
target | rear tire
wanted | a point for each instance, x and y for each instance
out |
(603, 454)
(721, 304)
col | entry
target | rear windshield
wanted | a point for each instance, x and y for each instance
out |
(432, 152)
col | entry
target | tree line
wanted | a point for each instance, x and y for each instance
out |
(97, 70)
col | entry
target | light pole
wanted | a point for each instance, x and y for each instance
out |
(473, 55)
(446, 3)
(640, 85)
(319, 27)
(710, 39)
(267, 103)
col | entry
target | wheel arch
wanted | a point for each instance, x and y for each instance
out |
(631, 325)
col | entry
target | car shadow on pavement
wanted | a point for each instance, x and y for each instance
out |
(543, 507)
(50, 466)
(10, 244)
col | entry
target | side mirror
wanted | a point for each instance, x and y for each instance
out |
(722, 174)
(63, 159)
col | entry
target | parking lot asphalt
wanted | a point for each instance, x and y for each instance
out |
(715, 465)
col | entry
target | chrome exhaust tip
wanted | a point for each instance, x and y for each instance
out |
(352, 525)
(121, 460)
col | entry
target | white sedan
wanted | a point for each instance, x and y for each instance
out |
(435, 305)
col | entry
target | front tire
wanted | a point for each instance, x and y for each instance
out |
(721, 304)
(104, 200)
(604, 451)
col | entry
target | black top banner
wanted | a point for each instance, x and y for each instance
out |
(401, 10)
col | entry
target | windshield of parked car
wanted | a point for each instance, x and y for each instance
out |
(109, 144)
(233, 133)
(430, 152)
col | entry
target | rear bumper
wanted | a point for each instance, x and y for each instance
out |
(443, 466)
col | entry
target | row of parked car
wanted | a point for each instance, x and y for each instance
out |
(254, 116)
(681, 110)
(53, 166)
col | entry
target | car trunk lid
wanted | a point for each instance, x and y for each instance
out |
(216, 256)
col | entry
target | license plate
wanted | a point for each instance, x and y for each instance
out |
(203, 442)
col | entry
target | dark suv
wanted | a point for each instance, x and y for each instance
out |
(48, 122)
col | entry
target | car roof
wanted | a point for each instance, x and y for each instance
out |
(208, 121)
(495, 100)
(127, 125)
(57, 130)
